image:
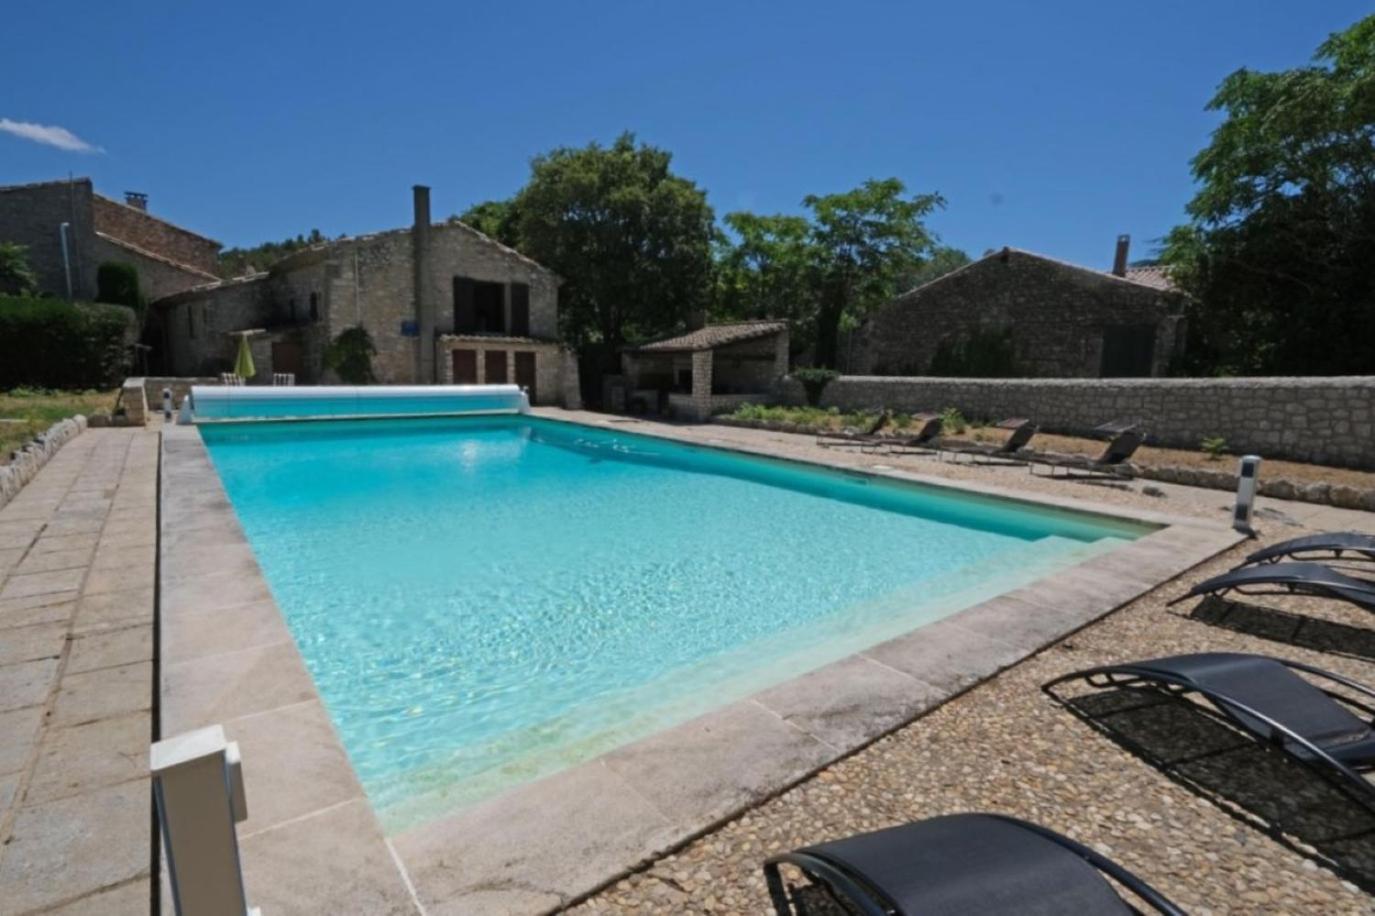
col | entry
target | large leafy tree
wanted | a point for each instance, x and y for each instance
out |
(826, 270)
(1277, 255)
(631, 239)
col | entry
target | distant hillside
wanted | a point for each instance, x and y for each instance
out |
(235, 262)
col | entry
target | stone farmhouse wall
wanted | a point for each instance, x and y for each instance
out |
(1058, 315)
(1323, 420)
(32, 214)
(143, 230)
(100, 230)
(157, 277)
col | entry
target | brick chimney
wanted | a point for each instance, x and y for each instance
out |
(424, 300)
(1119, 260)
(136, 199)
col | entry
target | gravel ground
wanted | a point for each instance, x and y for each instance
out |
(1005, 746)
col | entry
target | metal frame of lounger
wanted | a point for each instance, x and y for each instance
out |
(1135, 674)
(923, 442)
(868, 899)
(1110, 465)
(1308, 579)
(1004, 454)
(1340, 546)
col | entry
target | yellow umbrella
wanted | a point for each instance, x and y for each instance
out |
(243, 363)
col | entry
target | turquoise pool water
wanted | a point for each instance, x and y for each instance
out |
(483, 601)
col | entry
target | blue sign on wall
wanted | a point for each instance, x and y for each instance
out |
(410, 328)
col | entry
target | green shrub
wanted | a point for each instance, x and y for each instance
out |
(350, 354)
(1214, 446)
(814, 381)
(117, 284)
(50, 343)
(952, 421)
(16, 277)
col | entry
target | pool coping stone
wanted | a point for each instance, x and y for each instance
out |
(548, 843)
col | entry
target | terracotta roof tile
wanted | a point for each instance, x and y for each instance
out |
(1156, 275)
(714, 335)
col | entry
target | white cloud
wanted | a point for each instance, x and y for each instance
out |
(48, 134)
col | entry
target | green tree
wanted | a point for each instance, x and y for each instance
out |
(16, 277)
(631, 239)
(236, 262)
(766, 268)
(117, 284)
(494, 218)
(943, 260)
(1277, 254)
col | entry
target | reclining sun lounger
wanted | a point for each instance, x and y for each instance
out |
(1020, 433)
(1112, 463)
(855, 436)
(1348, 546)
(1268, 700)
(963, 863)
(921, 441)
(1288, 579)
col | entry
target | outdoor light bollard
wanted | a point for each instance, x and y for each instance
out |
(166, 404)
(1247, 478)
(198, 785)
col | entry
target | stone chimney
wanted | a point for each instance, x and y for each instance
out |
(424, 300)
(136, 199)
(1119, 260)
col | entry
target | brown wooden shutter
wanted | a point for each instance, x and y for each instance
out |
(520, 310)
(495, 367)
(465, 317)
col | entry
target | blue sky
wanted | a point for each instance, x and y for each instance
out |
(1047, 126)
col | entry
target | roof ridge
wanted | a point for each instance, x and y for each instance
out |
(165, 222)
(154, 255)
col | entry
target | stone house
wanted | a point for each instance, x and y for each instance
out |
(710, 370)
(443, 303)
(1030, 316)
(70, 231)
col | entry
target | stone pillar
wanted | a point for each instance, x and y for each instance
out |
(424, 295)
(701, 383)
(782, 357)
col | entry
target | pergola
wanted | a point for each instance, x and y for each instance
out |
(710, 370)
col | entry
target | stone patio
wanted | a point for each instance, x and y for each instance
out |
(76, 698)
(77, 552)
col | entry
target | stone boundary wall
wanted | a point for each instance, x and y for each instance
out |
(1321, 420)
(29, 460)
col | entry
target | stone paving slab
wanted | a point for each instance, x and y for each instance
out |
(74, 796)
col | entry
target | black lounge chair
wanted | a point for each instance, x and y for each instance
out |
(1020, 433)
(922, 441)
(1347, 546)
(1312, 579)
(963, 863)
(1265, 698)
(856, 436)
(1111, 464)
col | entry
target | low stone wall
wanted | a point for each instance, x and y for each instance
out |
(1321, 420)
(29, 460)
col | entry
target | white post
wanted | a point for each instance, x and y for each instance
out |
(1247, 478)
(198, 784)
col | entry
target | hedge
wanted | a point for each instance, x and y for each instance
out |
(51, 343)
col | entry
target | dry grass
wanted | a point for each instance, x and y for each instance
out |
(24, 412)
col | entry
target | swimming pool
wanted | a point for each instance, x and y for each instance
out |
(482, 601)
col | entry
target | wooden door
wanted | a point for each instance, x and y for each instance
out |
(286, 357)
(494, 366)
(525, 372)
(465, 367)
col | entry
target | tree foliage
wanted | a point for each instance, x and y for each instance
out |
(117, 283)
(237, 262)
(826, 270)
(16, 277)
(631, 239)
(1277, 256)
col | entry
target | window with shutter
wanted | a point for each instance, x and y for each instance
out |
(465, 316)
(520, 310)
